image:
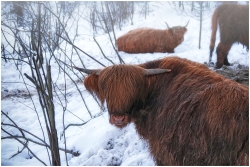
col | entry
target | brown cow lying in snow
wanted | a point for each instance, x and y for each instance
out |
(189, 114)
(233, 21)
(149, 40)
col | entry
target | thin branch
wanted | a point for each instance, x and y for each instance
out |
(37, 86)
(20, 132)
(76, 125)
(18, 152)
(22, 45)
(57, 60)
(28, 139)
(64, 108)
(69, 38)
(102, 51)
(24, 144)
(106, 27)
(80, 50)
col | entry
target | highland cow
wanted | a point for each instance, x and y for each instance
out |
(189, 114)
(149, 40)
(233, 21)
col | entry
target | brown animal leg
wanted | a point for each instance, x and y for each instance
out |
(226, 62)
(222, 51)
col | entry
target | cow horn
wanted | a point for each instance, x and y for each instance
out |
(167, 25)
(87, 71)
(187, 23)
(155, 71)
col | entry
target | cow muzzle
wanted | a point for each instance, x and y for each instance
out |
(119, 120)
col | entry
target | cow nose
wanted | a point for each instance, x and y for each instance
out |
(119, 119)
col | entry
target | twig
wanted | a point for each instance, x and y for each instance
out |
(102, 51)
(24, 144)
(76, 125)
(28, 139)
(18, 152)
(64, 109)
(34, 82)
(24, 48)
(80, 50)
(106, 27)
(19, 130)
(76, 87)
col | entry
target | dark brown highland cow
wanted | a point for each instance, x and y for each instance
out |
(189, 114)
(149, 40)
(233, 22)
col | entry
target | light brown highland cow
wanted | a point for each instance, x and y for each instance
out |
(149, 40)
(233, 21)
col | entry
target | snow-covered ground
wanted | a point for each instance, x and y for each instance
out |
(98, 142)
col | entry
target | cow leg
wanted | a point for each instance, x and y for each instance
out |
(222, 52)
(226, 62)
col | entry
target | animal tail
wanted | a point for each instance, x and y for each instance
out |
(214, 30)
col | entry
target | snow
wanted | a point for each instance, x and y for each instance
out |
(98, 142)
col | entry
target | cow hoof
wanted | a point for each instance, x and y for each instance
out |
(218, 66)
(227, 64)
(210, 64)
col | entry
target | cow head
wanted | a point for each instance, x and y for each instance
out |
(120, 86)
(178, 32)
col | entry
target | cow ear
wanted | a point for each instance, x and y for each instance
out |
(171, 31)
(91, 84)
(148, 72)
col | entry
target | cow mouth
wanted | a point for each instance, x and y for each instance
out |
(120, 125)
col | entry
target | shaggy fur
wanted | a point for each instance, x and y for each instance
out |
(189, 116)
(233, 21)
(148, 40)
